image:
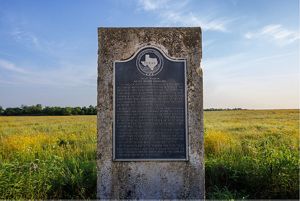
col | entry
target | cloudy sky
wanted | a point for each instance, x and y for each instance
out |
(48, 49)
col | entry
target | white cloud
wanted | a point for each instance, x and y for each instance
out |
(7, 65)
(276, 33)
(65, 74)
(34, 42)
(150, 5)
(177, 13)
(248, 81)
(173, 17)
(25, 37)
(62, 73)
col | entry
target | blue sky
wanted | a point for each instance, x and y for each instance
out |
(48, 49)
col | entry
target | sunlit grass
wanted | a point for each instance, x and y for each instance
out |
(248, 154)
(48, 157)
(252, 154)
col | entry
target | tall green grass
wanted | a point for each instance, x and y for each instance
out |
(48, 157)
(248, 154)
(252, 154)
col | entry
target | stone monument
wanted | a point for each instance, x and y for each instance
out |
(150, 114)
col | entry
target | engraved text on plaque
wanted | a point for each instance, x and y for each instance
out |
(150, 111)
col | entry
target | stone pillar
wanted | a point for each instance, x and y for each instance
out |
(150, 179)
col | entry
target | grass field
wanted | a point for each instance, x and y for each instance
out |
(248, 154)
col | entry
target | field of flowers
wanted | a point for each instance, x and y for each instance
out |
(248, 154)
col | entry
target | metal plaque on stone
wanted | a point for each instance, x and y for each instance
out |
(150, 107)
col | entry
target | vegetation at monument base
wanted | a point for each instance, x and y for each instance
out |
(248, 154)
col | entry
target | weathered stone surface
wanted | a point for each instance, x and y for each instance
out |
(151, 179)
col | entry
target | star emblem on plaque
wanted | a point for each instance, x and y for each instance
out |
(149, 62)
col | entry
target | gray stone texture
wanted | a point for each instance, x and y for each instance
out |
(151, 179)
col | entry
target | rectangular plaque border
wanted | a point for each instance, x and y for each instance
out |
(186, 116)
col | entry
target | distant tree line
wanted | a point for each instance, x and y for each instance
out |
(222, 109)
(40, 110)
